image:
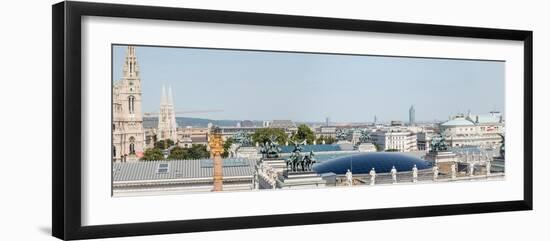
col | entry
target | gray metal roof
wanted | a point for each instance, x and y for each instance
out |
(178, 169)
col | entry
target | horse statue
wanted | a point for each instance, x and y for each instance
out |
(243, 138)
(309, 161)
(296, 159)
(271, 149)
(438, 143)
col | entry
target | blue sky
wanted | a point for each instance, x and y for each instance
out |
(262, 85)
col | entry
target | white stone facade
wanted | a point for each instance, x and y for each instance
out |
(474, 130)
(395, 139)
(128, 133)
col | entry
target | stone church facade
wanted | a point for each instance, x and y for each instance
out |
(167, 126)
(128, 133)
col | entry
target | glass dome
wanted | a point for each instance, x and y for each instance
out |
(363, 163)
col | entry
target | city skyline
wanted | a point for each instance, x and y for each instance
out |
(261, 85)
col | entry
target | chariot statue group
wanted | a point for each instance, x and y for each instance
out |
(270, 149)
(298, 162)
(243, 138)
(438, 143)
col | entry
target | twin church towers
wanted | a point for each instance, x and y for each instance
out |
(128, 133)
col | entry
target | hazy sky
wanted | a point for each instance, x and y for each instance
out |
(259, 85)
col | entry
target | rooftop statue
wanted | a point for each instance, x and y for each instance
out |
(349, 178)
(393, 175)
(415, 173)
(372, 176)
(502, 146)
(365, 136)
(438, 143)
(298, 162)
(243, 138)
(436, 172)
(271, 148)
(343, 135)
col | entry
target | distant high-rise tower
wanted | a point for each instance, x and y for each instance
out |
(412, 120)
(375, 119)
(167, 127)
(327, 121)
(128, 134)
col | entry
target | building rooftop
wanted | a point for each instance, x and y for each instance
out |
(459, 121)
(489, 118)
(282, 124)
(179, 169)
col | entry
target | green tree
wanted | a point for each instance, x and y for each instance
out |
(193, 152)
(392, 150)
(152, 154)
(226, 145)
(328, 140)
(178, 153)
(161, 145)
(263, 135)
(198, 152)
(304, 133)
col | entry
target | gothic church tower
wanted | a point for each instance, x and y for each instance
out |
(128, 134)
(167, 126)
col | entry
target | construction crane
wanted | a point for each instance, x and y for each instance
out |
(182, 112)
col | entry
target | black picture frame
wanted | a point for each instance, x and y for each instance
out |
(66, 138)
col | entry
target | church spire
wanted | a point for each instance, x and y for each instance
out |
(170, 100)
(131, 67)
(163, 96)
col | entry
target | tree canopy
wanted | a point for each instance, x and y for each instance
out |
(304, 133)
(193, 152)
(226, 145)
(328, 140)
(152, 154)
(160, 144)
(262, 135)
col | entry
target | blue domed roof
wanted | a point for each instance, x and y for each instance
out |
(382, 162)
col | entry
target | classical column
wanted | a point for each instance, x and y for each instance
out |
(215, 143)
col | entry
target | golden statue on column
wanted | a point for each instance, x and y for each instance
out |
(215, 143)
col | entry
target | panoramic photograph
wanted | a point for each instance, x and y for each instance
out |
(195, 120)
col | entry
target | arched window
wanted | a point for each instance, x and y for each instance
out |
(131, 100)
(132, 149)
(114, 151)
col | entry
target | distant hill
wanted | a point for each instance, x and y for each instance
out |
(152, 122)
